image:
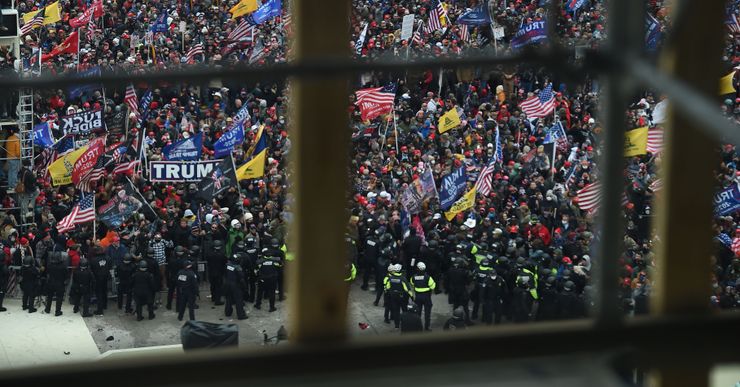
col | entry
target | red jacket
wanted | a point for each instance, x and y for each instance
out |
(541, 232)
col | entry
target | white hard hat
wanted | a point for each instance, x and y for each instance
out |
(248, 216)
(421, 266)
(399, 267)
(391, 268)
(235, 223)
(209, 218)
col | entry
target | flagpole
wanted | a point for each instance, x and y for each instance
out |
(78, 50)
(385, 133)
(95, 222)
(395, 129)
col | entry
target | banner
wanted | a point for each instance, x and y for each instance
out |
(87, 159)
(475, 17)
(465, 203)
(221, 178)
(727, 201)
(160, 23)
(652, 32)
(243, 7)
(82, 19)
(268, 10)
(407, 27)
(452, 187)
(530, 33)
(61, 169)
(52, 14)
(42, 135)
(83, 122)
(178, 171)
(226, 143)
(726, 84)
(115, 123)
(120, 207)
(419, 190)
(77, 91)
(449, 120)
(573, 5)
(185, 149)
(635, 142)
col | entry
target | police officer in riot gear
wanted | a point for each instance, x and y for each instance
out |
(424, 285)
(29, 283)
(459, 278)
(380, 272)
(173, 268)
(491, 294)
(234, 283)
(83, 284)
(479, 276)
(268, 270)
(143, 285)
(371, 253)
(101, 267)
(397, 289)
(56, 281)
(216, 266)
(249, 265)
(187, 290)
(124, 272)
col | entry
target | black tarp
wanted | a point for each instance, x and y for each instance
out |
(200, 334)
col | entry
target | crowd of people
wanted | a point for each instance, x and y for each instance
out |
(523, 252)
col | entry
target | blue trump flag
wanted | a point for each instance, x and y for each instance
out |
(187, 149)
(453, 185)
(226, 143)
(652, 32)
(574, 5)
(160, 24)
(727, 201)
(77, 91)
(266, 11)
(42, 135)
(475, 17)
(530, 33)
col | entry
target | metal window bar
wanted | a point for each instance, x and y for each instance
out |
(664, 341)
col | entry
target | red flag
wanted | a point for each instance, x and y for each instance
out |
(82, 19)
(97, 7)
(69, 46)
(87, 161)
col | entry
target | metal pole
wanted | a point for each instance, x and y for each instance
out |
(395, 130)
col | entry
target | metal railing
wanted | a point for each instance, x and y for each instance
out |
(680, 340)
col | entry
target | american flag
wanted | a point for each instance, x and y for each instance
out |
(656, 185)
(376, 101)
(655, 139)
(287, 23)
(483, 185)
(90, 33)
(83, 211)
(258, 52)
(736, 245)
(435, 18)
(464, 33)
(132, 101)
(731, 21)
(65, 145)
(37, 21)
(87, 183)
(126, 167)
(539, 107)
(570, 176)
(195, 50)
(243, 32)
(589, 197)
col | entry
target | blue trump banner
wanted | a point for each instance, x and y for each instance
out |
(530, 33)
(453, 185)
(727, 201)
(268, 10)
(185, 149)
(226, 143)
(475, 17)
(652, 32)
(42, 135)
(77, 91)
(574, 5)
(160, 24)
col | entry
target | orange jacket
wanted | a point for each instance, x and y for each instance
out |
(13, 146)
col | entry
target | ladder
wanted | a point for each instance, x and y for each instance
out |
(25, 122)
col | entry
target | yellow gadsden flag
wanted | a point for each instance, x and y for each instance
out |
(466, 202)
(61, 169)
(52, 14)
(725, 84)
(449, 120)
(635, 142)
(242, 8)
(254, 168)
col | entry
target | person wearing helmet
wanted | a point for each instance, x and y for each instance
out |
(29, 283)
(57, 274)
(143, 286)
(458, 279)
(278, 254)
(152, 266)
(522, 302)
(101, 267)
(549, 308)
(124, 273)
(249, 265)
(411, 319)
(397, 289)
(234, 283)
(431, 255)
(571, 304)
(82, 287)
(216, 259)
(268, 270)
(410, 249)
(457, 320)
(235, 234)
(351, 271)
(423, 285)
(370, 256)
(479, 276)
(173, 267)
(491, 295)
(187, 291)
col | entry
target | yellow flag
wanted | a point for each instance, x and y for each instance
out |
(635, 142)
(443, 18)
(725, 84)
(52, 14)
(243, 7)
(449, 120)
(61, 169)
(254, 168)
(466, 202)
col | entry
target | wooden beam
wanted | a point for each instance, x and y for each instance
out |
(684, 209)
(320, 135)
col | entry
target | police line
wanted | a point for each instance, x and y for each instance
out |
(180, 171)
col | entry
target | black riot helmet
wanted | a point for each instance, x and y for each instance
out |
(240, 246)
(274, 243)
(433, 244)
(195, 250)
(569, 285)
(142, 265)
(235, 258)
(180, 251)
(128, 258)
(187, 264)
(84, 264)
(150, 252)
(218, 244)
(550, 281)
(27, 262)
